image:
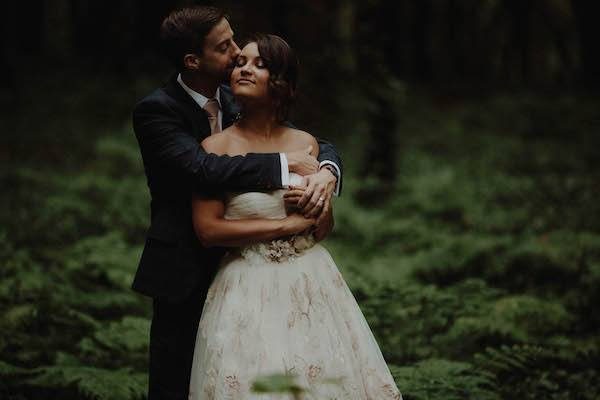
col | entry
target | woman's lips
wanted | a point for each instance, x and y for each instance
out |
(244, 81)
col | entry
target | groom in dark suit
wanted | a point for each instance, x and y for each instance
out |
(175, 270)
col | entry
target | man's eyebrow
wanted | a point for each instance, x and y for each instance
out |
(225, 40)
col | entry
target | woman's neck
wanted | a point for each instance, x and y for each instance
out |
(259, 121)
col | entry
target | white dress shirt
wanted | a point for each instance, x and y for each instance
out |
(202, 100)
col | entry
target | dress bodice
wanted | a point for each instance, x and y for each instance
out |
(269, 205)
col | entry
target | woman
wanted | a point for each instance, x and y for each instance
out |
(275, 306)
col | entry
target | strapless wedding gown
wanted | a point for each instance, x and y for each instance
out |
(283, 308)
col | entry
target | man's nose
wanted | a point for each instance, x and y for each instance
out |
(236, 50)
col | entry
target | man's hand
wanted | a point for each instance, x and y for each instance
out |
(302, 162)
(292, 197)
(318, 189)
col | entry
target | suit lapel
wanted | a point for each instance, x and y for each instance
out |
(201, 128)
(197, 115)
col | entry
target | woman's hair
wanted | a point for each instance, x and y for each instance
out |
(184, 30)
(282, 63)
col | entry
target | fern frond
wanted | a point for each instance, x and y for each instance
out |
(437, 379)
(8, 370)
(93, 383)
(128, 335)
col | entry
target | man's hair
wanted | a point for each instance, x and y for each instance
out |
(282, 63)
(184, 31)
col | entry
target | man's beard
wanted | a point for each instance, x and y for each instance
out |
(226, 77)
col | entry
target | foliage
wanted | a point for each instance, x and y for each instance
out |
(277, 384)
(91, 382)
(444, 379)
(478, 273)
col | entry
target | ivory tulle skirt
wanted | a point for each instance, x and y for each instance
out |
(267, 314)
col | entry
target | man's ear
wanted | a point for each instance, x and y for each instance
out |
(192, 61)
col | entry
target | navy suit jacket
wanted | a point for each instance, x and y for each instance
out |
(169, 126)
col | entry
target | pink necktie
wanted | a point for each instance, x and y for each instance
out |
(212, 109)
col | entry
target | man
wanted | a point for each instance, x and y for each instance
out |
(175, 270)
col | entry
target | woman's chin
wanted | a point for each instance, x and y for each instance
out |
(243, 94)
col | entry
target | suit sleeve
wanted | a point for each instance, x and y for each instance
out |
(165, 142)
(329, 154)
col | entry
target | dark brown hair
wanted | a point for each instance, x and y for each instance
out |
(282, 63)
(184, 30)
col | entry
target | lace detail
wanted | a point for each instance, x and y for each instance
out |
(277, 251)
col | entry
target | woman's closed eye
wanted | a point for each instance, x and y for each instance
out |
(258, 62)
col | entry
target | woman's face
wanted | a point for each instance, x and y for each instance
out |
(250, 77)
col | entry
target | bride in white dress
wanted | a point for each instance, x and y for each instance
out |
(276, 305)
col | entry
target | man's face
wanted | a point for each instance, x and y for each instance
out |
(219, 52)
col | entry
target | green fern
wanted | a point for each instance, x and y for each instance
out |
(277, 383)
(438, 379)
(531, 372)
(8, 370)
(92, 383)
(479, 276)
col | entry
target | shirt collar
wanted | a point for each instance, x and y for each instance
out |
(198, 98)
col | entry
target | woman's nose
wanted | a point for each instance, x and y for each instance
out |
(245, 70)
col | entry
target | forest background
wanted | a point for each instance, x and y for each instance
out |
(468, 228)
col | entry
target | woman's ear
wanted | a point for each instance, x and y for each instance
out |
(192, 61)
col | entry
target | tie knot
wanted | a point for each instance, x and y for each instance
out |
(212, 108)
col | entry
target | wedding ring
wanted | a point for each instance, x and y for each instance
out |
(321, 198)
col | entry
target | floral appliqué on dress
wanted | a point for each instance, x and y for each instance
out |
(279, 250)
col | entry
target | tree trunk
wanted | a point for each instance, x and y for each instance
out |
(421, 34)
(57, 29)
(586, 15)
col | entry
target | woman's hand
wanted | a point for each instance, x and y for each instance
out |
(319, 189)
(324, 223)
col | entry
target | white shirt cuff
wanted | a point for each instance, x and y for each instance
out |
(339, 173)
(285, 171)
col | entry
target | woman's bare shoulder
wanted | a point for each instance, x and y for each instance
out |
(303, 139)
(220, 143)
